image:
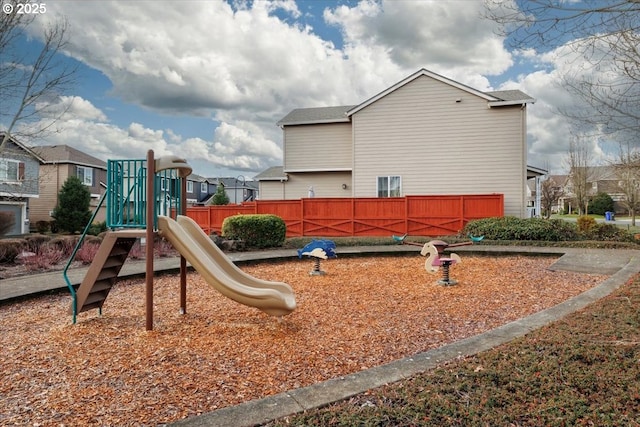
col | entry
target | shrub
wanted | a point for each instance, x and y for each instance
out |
(220, 198)
(44, 258)
(97, 227)
(162, 248)
(258, 231)
(42, 226)
(87, 252)
(585, 224)
(7, 221)
(137, 251)
(72, 212)
(608, 232)
(66, 244)
(10, 248)
(35, 241)
(601, 203)
(512, 228)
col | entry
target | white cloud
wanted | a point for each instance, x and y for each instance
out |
(246, 64)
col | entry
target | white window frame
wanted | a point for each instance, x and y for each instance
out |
(204, 188)
(4, 170)
(396, 191)
(83, 176)
(189, 186)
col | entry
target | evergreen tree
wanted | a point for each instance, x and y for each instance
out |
(220, 198)
(72, 212)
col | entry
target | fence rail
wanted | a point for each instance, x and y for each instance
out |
(350, 217)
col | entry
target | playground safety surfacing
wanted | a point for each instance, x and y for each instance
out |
(363, 313)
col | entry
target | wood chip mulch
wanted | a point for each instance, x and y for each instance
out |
(109, 371)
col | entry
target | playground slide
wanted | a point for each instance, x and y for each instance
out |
(274, 298)
(194, 230)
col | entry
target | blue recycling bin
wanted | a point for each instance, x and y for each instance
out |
(607, 216)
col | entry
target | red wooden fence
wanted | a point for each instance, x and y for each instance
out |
(335, 217)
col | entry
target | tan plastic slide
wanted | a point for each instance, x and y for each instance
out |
(274, 298)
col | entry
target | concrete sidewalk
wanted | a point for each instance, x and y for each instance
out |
(621, 264)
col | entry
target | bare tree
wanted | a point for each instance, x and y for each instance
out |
(628, 173)
(579, 160)
(551, 193)
(605, 35)
(30, 80)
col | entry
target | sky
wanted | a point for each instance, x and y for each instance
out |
(208, 80)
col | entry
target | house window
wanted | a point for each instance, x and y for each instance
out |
(189, 186)
(11, 170)
(204, 188)
(389, 186)
(85, 175)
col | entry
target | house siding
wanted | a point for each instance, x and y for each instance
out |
(28, 187)
(328, 184)
(439, 146)
(52, 178)
(325, 146)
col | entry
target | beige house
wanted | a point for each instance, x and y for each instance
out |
(426, 134)
(58, 163)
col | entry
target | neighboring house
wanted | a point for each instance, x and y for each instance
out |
(199, 190)
(19, 171)
(59, 162)
(238, 189)
(426, 134)
(600, 179)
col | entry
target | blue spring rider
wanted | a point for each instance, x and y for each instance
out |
(318, 249)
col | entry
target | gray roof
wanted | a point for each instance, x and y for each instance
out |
(301, 116)
(274, 173)
(67, 154)
(510, 95)
(304, 116)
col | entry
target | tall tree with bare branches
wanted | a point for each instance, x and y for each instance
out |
(628, 173)
(579, 161)
(29, 80)
(603, 35)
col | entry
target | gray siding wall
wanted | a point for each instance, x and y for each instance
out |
(28, 187)
(318, 147)
(440, 146)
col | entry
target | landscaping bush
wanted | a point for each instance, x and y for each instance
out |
(87, 252)
(42, 226)
(64, 243)
(258, 231)
(585, 224)
(97, 227)
(601, 203)
(35, 241)
(45, 257)
(512, 228)
(10, 248)
(608, 232)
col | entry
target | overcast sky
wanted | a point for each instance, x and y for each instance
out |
(208, 80)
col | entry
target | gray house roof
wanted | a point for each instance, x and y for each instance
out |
(305, 116)
(67, 154)
(22, 146)
(301, 116)
(274, 173)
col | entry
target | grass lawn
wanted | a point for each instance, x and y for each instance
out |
(582, 370)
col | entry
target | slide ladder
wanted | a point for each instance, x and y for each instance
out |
(104, 269)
